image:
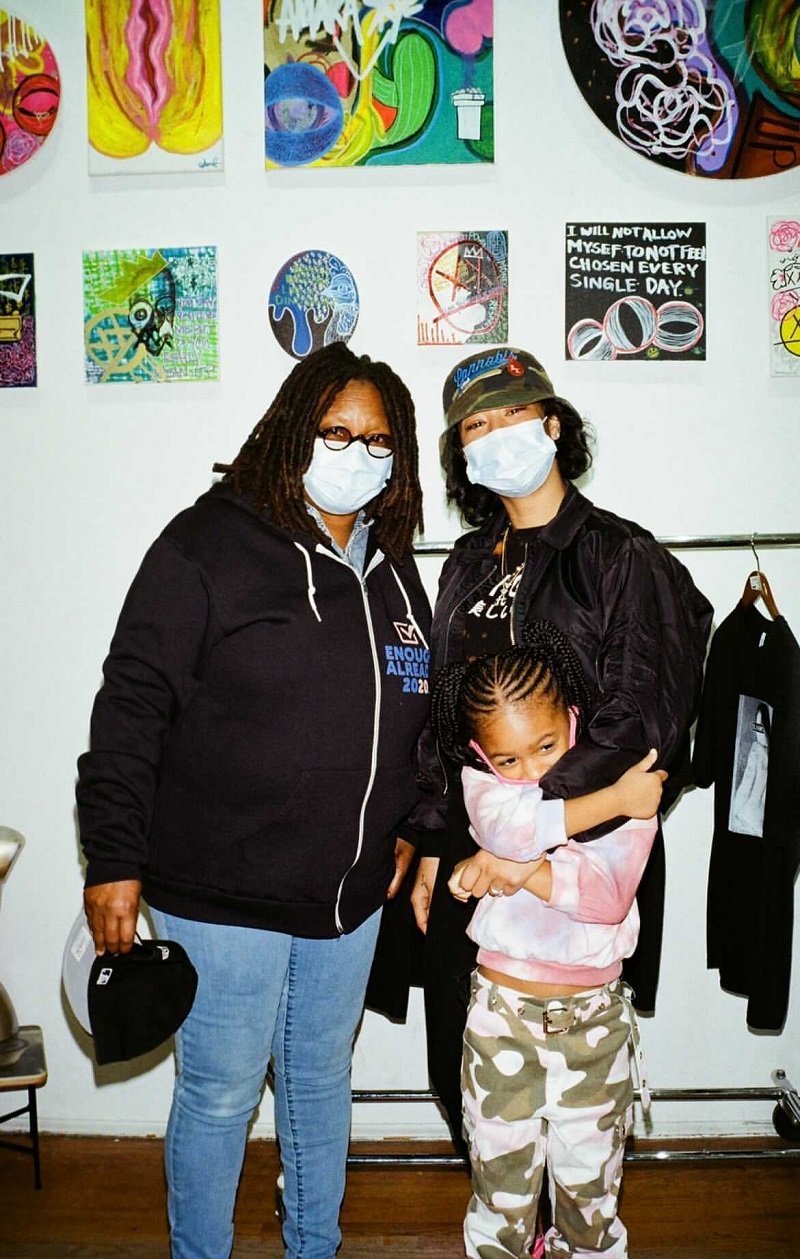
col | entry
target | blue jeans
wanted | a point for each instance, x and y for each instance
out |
(262, 995)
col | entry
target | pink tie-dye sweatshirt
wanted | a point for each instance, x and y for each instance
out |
(591, 922)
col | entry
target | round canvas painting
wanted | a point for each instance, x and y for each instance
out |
(312, 302)
(706, 87)
(30, 90)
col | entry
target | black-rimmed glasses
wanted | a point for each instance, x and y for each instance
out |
(379, 445)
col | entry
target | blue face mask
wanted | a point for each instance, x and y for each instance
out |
(341, 481)
(512, 461)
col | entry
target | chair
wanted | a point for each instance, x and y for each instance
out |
(22, 1060)
(24, 1067)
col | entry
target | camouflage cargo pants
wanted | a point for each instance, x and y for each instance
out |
(546, 1082)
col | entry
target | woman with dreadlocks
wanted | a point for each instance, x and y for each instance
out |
(251, 774)
(546, 1074)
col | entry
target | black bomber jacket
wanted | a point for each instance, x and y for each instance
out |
(635, 617)
(639, 626)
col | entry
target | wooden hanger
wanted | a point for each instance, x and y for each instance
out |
(757, 587)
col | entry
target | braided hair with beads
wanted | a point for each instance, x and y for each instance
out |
(271, 463)
(546, 666)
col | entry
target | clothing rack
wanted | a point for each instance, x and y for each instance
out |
(701, 542)
(786, 1097)
(782, 1092)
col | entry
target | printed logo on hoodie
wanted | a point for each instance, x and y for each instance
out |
(408, 659)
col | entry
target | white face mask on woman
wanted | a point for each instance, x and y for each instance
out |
(341, 481)
(512, 461)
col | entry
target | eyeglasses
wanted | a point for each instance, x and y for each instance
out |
(379, 445)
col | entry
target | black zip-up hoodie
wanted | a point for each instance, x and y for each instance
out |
(252, 747)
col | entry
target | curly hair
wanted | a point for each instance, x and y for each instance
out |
(475, 503)
(545, 666)
(271, 463)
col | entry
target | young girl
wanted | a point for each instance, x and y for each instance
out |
(546, 1073)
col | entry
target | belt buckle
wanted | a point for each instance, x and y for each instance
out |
(550, 1017)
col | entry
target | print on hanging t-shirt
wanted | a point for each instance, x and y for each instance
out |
(751, 765)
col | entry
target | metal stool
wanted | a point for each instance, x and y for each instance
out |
(23, 1066)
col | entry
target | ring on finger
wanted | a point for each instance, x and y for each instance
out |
(495, 891)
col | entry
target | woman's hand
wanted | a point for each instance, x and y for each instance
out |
(423, 890)
(484, 873)
(640, 788)
(112, 910)
(403, 856)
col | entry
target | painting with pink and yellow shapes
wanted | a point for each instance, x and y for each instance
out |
(154, 84)
(784, 296)
(30, 91)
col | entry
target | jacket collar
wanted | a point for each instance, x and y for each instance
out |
(557, 533)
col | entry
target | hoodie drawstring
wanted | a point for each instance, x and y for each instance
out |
(311, 589)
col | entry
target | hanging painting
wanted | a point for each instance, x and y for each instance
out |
(150, 315)
(784, 285)
(462, 288)
(30, 91)
(403, 83)
(707, 87)
(154, 84)
(312, 302)
(17, 321)
(635, 290)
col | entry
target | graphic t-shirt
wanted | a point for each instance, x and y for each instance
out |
(488, 622)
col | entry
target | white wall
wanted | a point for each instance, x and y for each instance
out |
(90, 475)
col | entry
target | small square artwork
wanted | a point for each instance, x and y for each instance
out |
(150, 315)
(462, 288)
(784, 296)
(17, 321)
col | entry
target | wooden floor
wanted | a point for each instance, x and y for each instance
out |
(103, 1198)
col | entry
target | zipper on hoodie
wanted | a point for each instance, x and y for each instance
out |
(376, 559)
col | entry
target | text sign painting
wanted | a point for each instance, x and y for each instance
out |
(635, 290)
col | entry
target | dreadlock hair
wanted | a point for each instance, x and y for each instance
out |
(475, 503)
(546, 666)
(271, 463)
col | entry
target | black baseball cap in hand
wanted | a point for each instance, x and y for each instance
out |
(138, 1000)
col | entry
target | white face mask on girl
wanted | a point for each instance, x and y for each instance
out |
(341, 481)
(511, 461)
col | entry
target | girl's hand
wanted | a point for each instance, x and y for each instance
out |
(640, 788)
(454, 882)
(484, 873)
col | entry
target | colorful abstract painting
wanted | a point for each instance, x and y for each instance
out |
(30, 91)
(784, 296)
(462, 288)
(17, 321)
(154, 83)
(150, 315)
(707, 87)
(635, 290)
(392, 82)
(312, 302)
